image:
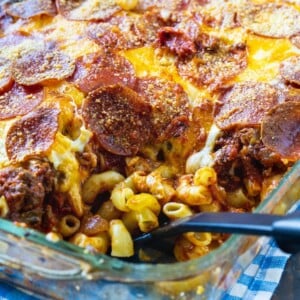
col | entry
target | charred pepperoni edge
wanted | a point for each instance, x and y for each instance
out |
(31, 8)
(96, 70)
(65, 8)
(281, 129)
(176, 41)
(248, 15)
(106, 35)
(112, 35)
(245, 105)
(20, 100)
(33, 134)
(41, 66)
(290, 70)
(126, 31)
(6, 80)
(119, 119)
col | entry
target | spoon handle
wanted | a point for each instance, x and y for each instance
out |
(285, 229)
(287, 233)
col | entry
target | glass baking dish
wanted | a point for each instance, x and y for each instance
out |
(61, 270)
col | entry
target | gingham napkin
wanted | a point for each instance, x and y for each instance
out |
(262, 276)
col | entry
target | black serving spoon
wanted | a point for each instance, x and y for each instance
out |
(284, 229)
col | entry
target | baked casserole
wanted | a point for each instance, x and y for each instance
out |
(117, 115)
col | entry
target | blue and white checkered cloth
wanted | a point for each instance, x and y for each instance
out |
(261, 278)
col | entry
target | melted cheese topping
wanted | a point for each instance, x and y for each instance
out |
(63, 157)
(147, 61)
(63, 151)
(4, 126)
(204, 157)
(265, 55)
(68, 33)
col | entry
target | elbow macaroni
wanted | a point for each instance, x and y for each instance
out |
(139, 202)
(176, 210)
(130, 220)
(120, 196)
(147, 220)
(99, 243)
(144, 209)
(98, 183)
(199, 238)
(185, 250)
(3, 207)
(69, 225)
(192, 194)
(205, 176)
(139, 198)
(121, 240)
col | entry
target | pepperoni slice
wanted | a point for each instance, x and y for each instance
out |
(33, 134)
(147, 28)
(214, 67)
(176, 41)
(119, 118)
(99, 69)
(87, 10)
(108, 36)
(41, 66)
(119, 32)
(271, 20)
(290, 70)
(281, 130)
(16, 44)
(19, 101)
(245, 104)
(31, 8)
(189, 26)
(6, 80)
(169, 105)
(126, 31)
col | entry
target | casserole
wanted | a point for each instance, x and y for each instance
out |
(115, 115)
